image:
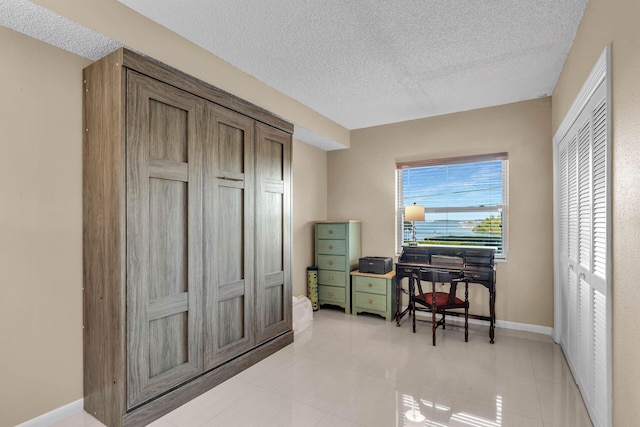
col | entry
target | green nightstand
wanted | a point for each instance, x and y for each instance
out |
(374, 293)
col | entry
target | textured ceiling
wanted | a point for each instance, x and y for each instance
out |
(365, 63)
(42, 24)
(360, 63)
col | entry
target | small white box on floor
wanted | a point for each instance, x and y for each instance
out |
(302, 314)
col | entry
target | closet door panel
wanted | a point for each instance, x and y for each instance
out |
(563, 239)
(572, 249)
(273, 232)
(228, 228)
(273, 266)
(583, 258)
(164, 244)
(600, 321)
(599, 197)
(168, 275)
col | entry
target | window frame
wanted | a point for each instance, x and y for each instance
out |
(403, 165)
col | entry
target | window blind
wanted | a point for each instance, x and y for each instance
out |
(464, 200)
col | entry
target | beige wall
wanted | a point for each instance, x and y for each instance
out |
(615, 22)
(309, 204)
(362, 186)
(40, 228)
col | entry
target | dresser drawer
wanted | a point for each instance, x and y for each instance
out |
(372, 285)
(333, 278)
(332, 262)
(331, 231)
(329, 294)
(332, 247)
(371, 301)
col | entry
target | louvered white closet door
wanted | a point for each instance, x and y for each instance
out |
(600, 362)
(571, 255)
(563, 236)
(585, 334)
(582, 260)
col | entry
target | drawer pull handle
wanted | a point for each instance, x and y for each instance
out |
(330, 262)
(370, 285)
(330, 231)
(330, 294)
(331, 278)
(330, 246)
(370, 301)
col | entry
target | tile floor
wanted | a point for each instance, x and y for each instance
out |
(348, 370)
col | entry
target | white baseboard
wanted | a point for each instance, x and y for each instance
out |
(544, 330)
(56, 415)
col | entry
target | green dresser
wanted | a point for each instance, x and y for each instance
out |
(374, 293)
(337, 254)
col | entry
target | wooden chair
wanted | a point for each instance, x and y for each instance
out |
(438, 302)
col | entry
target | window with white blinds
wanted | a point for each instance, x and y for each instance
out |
(465, 201)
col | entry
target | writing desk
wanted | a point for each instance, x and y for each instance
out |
(472, 265)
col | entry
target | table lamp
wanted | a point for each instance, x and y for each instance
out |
(413, 213)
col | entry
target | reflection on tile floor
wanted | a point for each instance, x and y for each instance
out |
(348, 370)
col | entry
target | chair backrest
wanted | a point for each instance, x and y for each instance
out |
(437, 276)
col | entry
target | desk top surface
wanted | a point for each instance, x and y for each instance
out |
(388, 275)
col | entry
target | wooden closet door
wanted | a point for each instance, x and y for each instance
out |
(228, 230)
(164, 237)
(273, 232)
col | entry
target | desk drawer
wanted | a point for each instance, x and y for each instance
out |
(333, 278)
(331, 294)
(331, 231)
(374, 285)
(405, 270)
(480, 276)
(332, 247)
(371, 301)
(332, 262)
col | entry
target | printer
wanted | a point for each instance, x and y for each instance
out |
(375, 265)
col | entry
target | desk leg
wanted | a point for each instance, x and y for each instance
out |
(398, 299)
(399, 312)
(492, 309)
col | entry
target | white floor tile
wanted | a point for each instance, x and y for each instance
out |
(80, 420)
(352, 371)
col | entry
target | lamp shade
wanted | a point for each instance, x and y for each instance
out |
(414, 213)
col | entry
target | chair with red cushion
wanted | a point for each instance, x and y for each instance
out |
(439, 302)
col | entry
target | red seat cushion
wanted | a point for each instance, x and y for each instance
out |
(442, 298)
